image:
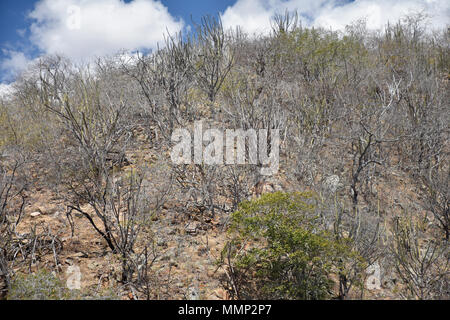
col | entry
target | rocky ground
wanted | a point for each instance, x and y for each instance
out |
(186, 248)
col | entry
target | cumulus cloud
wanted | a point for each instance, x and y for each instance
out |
(253, 15)
(14, 63)
(379, 12)
(85, 28)
(5, 90)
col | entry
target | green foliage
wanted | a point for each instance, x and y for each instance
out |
(5, 135)
(277, 250)
(42, 285)
(316, 52)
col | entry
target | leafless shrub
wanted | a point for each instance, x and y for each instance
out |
(170, 70)
(422, 264)
(12, 201)
(284, 23)
(438, 196)
(354, 107)
(215, 56)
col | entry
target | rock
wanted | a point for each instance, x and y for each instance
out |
(49, 210)
(221, 294)
(35, 214)
(173, 263)
(275, 184)
(162, 243)
(57, 214)
(193, 294)
(169, 255)
(269, 185)
(192, 227)
(200, 268)
(267, 188)
(93, 265)
(331, 183)
(80, 255)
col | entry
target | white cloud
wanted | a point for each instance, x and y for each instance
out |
(11, 66)
(253, 15)
(378, 13)
(84, 28)
(5, 90)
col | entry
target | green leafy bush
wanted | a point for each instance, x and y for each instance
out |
(278, 251)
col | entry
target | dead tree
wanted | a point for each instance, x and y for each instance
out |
(215, 56)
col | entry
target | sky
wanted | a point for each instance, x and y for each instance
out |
(82, 29)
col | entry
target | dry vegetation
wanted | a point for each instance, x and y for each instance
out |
(86, 178)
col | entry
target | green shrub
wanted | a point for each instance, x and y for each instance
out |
(41, 285)
(44, 285)
(278, 251)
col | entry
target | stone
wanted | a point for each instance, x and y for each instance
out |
(267, 188)
(80, 255)
(35, 214)
(162, 243)
(192, 227)
(269, 185)
(173, 263)
(49, 210)
(169, 255)
(93, 265)
(331, 183)
(221, 294)
(193, 294)
(200, 268)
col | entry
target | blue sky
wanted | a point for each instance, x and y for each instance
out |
(80, 29)
(13, 14)
(15, 23)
